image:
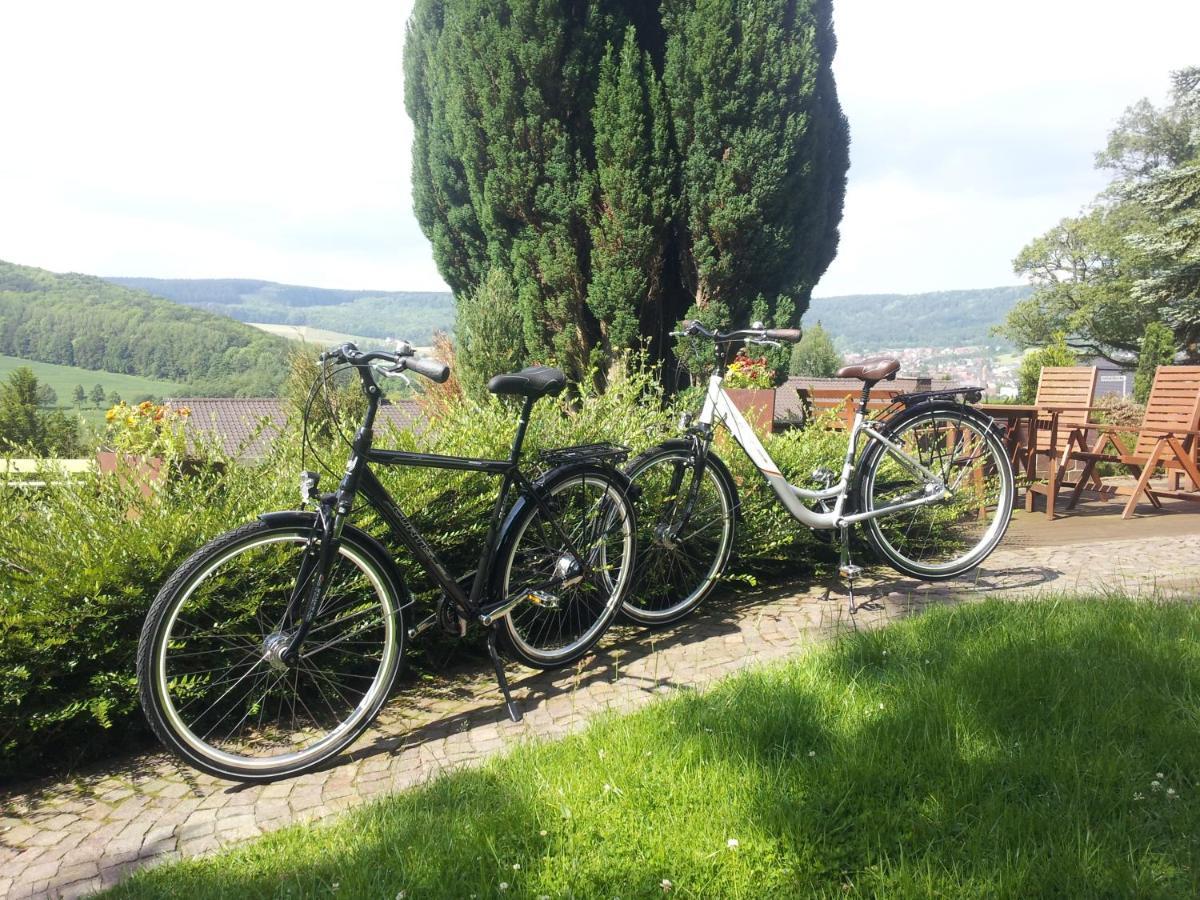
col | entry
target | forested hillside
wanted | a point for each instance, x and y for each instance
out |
(413, 316)
(80, 320)
(942, 319)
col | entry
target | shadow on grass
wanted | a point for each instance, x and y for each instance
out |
(986, 750)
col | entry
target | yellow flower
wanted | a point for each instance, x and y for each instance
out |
(130, 421)
(111, 414)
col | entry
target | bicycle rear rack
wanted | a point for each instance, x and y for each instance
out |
(613, 453)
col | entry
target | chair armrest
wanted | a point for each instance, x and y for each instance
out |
(1169, 432)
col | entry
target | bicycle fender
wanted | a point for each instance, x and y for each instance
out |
(890, 425)
(379, 553)
(713, 460)
(519, 508)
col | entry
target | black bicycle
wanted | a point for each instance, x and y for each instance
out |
(274, 645)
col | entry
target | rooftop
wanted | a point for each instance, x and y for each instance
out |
(245, 426)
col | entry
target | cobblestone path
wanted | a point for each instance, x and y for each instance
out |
(71, 838)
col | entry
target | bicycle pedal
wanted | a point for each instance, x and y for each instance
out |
(850, 571)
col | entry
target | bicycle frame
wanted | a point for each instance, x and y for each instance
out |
(719, 408)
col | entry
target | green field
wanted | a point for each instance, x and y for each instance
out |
(64, 378)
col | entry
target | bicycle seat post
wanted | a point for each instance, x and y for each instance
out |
(522, 425)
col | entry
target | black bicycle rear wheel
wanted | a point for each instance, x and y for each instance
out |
(569, 562)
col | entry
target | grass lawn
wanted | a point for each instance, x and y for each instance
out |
(1046, 748)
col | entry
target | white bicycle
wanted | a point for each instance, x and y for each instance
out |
(933, 487)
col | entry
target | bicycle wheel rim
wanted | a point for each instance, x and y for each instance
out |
(358, 709)
(527, 621)
(670, 580)
(977, 470)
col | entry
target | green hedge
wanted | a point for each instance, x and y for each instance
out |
(81, 563)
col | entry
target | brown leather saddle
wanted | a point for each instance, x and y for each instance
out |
(882, 368)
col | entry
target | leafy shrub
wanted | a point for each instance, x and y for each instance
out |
(80, 563)
(149, 429)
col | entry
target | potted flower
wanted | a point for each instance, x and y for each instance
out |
(142, 440)
(750, 383)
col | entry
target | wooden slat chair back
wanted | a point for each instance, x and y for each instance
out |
(1064, 403)
(1070, 389)
(822, 400)
(1174, 406)
(1168, 438)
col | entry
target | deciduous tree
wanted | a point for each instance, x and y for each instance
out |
(1133, 258)
(815, 355)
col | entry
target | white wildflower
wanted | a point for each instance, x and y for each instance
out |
(543, 832)
(504, 885)
(732, 843)
(812, 752)
(666, 884)
(1171, 793)
(1156, 786)
(516, 867)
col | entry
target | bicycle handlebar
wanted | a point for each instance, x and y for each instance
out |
(402, 359)
(693, 328)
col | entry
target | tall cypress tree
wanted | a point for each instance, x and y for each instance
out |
(627, 162)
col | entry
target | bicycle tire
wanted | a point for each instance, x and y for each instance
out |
(672, 577)
(996, 483)
(166, 677)
(539, 630)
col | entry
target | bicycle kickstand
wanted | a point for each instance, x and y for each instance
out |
(514, 711)
(847, 569)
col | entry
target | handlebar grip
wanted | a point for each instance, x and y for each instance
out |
(433, 369)
(787, 335)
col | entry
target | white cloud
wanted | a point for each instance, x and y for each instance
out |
(269, 139)
(974, 126)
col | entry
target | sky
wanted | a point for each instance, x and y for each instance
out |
(269, 140)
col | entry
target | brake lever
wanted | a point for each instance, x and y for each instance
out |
(394, 371)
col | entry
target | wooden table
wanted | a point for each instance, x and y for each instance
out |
(1018, 441)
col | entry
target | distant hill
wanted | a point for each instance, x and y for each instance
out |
(414, 316)
(87, 322)
(858, 322)
(866, 322)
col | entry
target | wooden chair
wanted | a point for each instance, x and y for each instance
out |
(1167, 438)
(818, 401)
(1064, 401)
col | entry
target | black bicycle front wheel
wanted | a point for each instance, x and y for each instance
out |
(684, 541)
(211, 676)
(947, 537)
(568, 562)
